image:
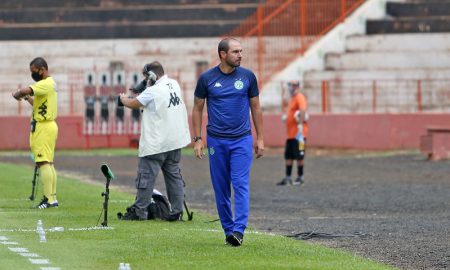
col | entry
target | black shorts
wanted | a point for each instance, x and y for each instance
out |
(90, 113)
(120, 113)
(292, 151)
(104, 113)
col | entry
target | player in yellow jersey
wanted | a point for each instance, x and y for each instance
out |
(44, 130)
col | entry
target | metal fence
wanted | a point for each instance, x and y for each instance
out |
(377, 96)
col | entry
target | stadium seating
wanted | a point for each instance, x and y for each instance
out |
(101, 19)
(393, 60)
(413, 17)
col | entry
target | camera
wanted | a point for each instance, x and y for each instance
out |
(119, 102)
(140, 87)
(137, 89)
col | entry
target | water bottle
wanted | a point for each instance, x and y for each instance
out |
(41, 232)
(299, 137)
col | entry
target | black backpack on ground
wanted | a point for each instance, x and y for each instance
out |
(159, 208)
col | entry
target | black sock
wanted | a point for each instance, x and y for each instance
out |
(288, 170)
(300, 171)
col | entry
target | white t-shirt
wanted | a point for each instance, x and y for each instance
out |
(164, 119)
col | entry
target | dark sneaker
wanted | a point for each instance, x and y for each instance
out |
(285, 181)
(235, 239)
(44, 204)
(129, 215)
(299, 181)
(175, 217)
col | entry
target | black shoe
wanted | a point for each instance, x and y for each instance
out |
(235, 239)
(44, 204)
(285, 181)
(175, 217)
(129, 215)
(299, 181)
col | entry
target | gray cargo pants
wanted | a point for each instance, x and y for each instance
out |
(148, 169)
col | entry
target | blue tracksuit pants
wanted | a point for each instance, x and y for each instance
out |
(229, 164)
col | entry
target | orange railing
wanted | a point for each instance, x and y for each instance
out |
(376, 96)
(281, 30)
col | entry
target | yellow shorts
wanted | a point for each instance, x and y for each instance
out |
(43, 141)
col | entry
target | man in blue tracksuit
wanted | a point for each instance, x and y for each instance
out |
(231, 92)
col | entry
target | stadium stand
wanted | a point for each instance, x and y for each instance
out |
(432, 16)
(405, 67)
(89, 43)
(113, 19)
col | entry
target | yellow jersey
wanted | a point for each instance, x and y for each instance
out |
(45, 106)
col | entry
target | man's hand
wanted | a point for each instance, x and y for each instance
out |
(17, 95)
(198, 149)
(121, 96)
(259, 148)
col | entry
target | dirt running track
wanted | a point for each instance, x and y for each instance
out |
(401, 201)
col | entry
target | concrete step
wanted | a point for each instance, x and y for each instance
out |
(418, 9)
(371, 75)
(399, 42)
(108, 48)
(160, 29)
(409, 25)
(387, 60)
(129, 14)
(46, 4)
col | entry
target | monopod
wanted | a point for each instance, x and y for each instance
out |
(34, 182)
(109, 176)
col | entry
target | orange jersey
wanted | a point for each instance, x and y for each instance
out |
(297, 102)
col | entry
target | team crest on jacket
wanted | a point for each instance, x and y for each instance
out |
(238, 84)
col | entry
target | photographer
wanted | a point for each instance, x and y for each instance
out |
(164, 131)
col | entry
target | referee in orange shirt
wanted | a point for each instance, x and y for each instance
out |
(297, 131)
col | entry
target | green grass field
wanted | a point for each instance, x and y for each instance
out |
(196, 244)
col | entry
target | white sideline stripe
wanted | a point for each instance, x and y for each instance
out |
(90, 228)
(17, 230)
(59, 229)
(20, 250)
(14, 200)
(25, 253)
(31, 255)
(39, 261)
(8, 243)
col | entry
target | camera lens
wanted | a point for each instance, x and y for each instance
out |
(119, 102)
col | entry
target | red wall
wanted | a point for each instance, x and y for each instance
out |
(362, 131)
(372, 131)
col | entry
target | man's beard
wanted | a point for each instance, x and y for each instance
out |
(234, 64)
